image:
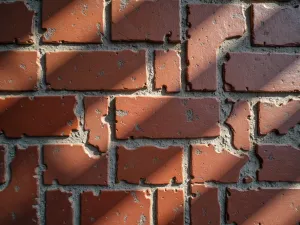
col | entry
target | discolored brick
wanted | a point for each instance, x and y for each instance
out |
(203, 165)
(95, 70)
(210, 25)
(167, 117)
(2, 164)
(262, 72)
(70, 164)
(151, 164)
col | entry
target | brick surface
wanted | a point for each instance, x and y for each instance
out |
(145, 20)
(19, 29)
(82, 21)
(259, 72)
(170, 207)
(210, 25)
(20, 196)
(2, 164)
(167, 71)
(115, 208)
(96, 109)
(278, 118)
(153, 117)
(278, 163)
(35, 117)
(151, 164)
(83, 71)
(203, 161)
(18, 71)
(275, 26)
(70, 164)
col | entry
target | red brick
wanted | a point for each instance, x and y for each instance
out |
(170, 207)
(16, 23)
(20, 196)
(210, 25)
(276, 207)
(261, 72)
(275, 26)
(279, 163)
(154, 117)
(145, 20)
(96, 109)
(58, 208)
(278, 118)
(18, 71)
(208, 165)
(151, 164)
(115, 208)
(205, 208)
(35, 117)
(70, 164)
(124, 70)
(2, 164)
(75, 21)
(240, 125)
(167, 70)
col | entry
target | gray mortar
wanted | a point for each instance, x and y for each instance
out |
(222, 142)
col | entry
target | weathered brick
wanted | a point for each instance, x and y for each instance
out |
(167, 70)
(167, 117)
(278, 118)
(210, 25)
(35, 116)
(240, 125)
(123, 70)
(58, 208)
(20, 196)
(151, 164)
(2, 164)
(70, 164)
(275, 26)
(96, 109)
(262, 72)
(279, 163)
(115, 208)
(205, 208)
(269, 206)
(18, 71)
(145, 20)
(16, 23)
(75, 21)
(204, 160)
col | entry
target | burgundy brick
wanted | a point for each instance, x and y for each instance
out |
(152, 164)
(278, 118)
(145, 20)
(83, 71)
(20, 196)
(58, 208)
(16, 23)
(279, 163)
(170, 207)
(167, 70)
(2, 164)
(275, 26)
(115, 208)
(75, 21)
(70, 164)
(276, 207)
(205, 208)
(18, 71)
(208, 165)
(260, 72)
(35, 117)
(167, 117)
(210, 25)
(240, 125)
(96, 109)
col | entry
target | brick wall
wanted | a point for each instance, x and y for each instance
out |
(149, 112)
